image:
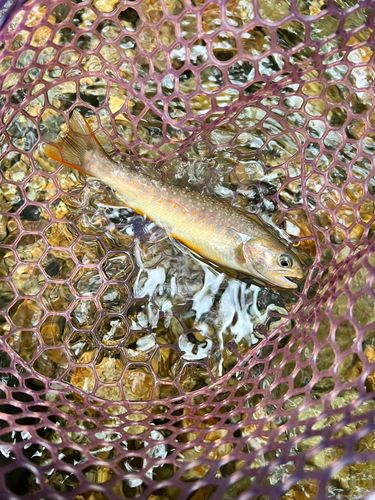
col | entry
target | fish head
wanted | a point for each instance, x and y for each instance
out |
(272, 262)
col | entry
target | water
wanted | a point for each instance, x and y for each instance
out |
(146, 317)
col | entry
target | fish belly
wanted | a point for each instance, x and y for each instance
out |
(195, 220)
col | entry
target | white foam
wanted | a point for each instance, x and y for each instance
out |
(203, 300)
(187, 347)
(145, 343)
(231, 312)
(155, 278)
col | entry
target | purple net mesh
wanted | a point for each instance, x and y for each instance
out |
(105, 392)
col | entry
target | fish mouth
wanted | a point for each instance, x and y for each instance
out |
(284, 281)
(277, 278)
(280, 281)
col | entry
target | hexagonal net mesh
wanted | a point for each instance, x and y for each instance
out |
(128, 367)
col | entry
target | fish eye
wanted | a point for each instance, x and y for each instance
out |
(285, 260)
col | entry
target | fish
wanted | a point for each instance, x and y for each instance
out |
(208, 226)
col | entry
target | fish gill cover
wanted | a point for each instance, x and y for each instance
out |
(128, 367)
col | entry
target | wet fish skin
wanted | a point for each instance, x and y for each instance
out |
(208, 226)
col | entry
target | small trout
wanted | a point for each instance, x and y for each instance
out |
(208, 226)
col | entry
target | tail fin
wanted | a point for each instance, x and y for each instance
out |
(71, 149)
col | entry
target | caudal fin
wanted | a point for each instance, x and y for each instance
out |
(71, 150)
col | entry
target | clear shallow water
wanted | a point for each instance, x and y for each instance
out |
(220, 308)
(147, 318)
(187, 316)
